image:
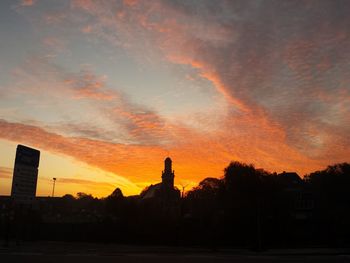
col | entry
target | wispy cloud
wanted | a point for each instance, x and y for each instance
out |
(270, 69)
(54, 44)
(40, 75)
(86, 85)
(6, 172)
(85, 182)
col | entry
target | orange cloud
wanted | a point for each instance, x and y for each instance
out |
(6, 172)
(28, 2)
(195, 155)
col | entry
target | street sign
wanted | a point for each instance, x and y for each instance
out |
(25, 174)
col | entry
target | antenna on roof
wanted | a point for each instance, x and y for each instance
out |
(183, 189)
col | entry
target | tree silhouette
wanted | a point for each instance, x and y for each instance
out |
(247, 207)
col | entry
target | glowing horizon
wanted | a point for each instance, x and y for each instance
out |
(106, 90)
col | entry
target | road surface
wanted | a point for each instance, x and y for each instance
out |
(52, 252)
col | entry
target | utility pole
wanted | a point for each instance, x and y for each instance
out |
(258, 214)
(53, 187)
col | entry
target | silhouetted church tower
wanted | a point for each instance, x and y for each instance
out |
(168, 174)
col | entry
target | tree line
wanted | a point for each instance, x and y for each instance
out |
(247, 207)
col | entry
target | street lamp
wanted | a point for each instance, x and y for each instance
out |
(53, 187)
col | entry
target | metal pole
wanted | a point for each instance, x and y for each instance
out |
(53, 187)
(183, 190)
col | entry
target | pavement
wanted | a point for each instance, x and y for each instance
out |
(53, 252)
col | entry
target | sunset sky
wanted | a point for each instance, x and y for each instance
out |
(106, 90)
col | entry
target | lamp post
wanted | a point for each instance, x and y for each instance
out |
(53, 187)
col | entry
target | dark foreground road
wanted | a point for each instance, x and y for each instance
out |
(99, 253)
(145, 258)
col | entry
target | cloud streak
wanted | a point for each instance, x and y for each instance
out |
(6, 172)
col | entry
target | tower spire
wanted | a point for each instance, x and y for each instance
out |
(168, 174)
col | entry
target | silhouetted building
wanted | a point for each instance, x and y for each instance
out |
(165, 189)
(163, 197)
(168, 174)
(300, 198)
(291, 179)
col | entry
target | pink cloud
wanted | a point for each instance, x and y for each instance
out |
(40, 76)
(88, 85)
(27, 2)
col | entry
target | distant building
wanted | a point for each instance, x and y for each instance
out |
(168, 174)
(291, 179)
(301, 201)
(162, 199)
(164, 190)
